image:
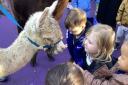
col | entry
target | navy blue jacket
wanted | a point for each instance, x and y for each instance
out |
(76, 49)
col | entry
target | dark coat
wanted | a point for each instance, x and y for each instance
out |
(107, 12)
(76, 48)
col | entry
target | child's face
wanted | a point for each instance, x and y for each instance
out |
(90, 44)
(77, 29)
(123, 59)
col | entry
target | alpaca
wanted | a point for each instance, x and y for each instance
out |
(22, 9)
(41, 31)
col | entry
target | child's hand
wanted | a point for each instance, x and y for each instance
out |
(118, 23)
(60, 47)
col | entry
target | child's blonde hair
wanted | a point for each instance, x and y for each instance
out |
(75, 18)
(105, 39)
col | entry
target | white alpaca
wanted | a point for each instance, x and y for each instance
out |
(41, 30)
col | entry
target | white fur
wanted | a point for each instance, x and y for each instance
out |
(21, 51)
(52, 8)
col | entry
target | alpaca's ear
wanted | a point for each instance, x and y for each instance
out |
(53, 7)
(48, 11)
(57, 8)
(44, 16)
(58, 12)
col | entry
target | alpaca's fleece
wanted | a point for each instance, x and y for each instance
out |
(43, 29)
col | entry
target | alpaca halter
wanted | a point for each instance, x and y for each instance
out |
(45, 46)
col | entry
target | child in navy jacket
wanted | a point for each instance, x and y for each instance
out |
(75, 24)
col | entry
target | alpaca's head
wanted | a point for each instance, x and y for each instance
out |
(49, 28)
(48, 31)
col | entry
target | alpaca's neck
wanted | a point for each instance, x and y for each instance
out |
(19, 53)
(23, 45)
